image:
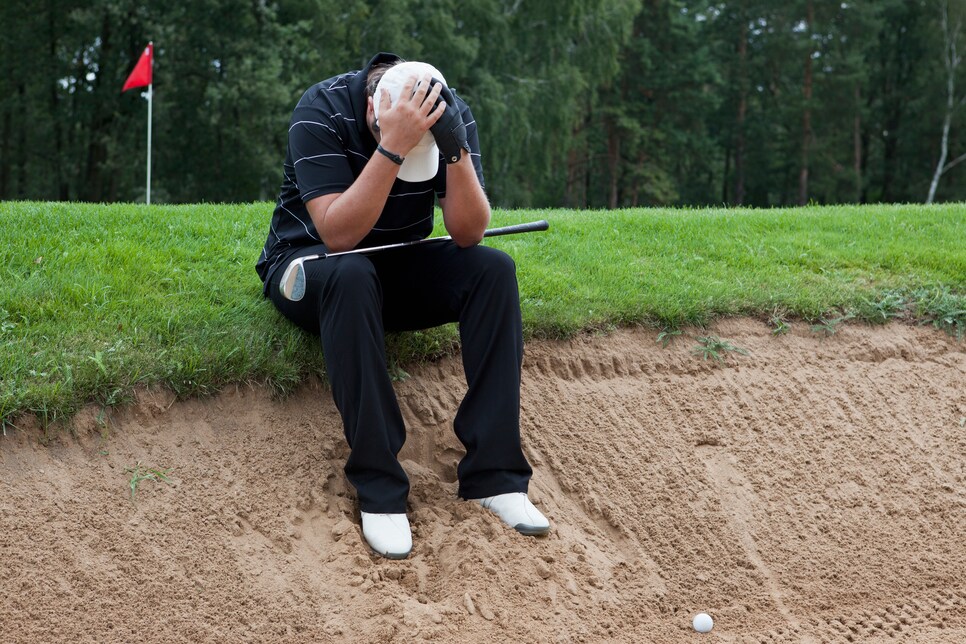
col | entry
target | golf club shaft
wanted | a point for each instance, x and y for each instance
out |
(292, 284)
(492, 232)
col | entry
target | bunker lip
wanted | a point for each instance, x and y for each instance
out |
(811, 490)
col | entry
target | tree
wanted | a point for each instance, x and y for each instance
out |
(849, 85)
(742, 87)
(584, 103)
(649, 124)
(899, 88)
(952, 58)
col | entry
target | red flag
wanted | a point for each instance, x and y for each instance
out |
(141, 76)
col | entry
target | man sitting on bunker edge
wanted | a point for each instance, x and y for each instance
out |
(369, 152)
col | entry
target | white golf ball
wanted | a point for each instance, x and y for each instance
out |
(703, 623)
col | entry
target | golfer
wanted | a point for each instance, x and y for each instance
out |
(369, 152)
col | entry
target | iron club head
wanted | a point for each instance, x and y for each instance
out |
(292, 284)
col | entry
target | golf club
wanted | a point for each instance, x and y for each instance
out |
(292, 285)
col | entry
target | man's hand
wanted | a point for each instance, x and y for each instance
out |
(449, 129)
(402, 126)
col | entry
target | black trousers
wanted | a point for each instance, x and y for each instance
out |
(352, 300)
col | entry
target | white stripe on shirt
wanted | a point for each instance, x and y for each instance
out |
(313, 123)
(300, 221)
(316, 156)
(311, 192)
(429, 216)
(409, 194)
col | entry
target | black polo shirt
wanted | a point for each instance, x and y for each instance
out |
(329, 144)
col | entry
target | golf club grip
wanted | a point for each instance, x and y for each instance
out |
(529, 227)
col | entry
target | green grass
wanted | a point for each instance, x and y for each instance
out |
(97, 299)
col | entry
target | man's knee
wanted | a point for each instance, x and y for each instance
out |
(494, 264)
(348, 288)
(347, 272)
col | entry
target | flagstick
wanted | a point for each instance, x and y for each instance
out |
(150, 101)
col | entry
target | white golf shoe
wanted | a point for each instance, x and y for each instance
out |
(388, 534)
(516, 510)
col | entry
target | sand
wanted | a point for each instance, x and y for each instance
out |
(812, 491)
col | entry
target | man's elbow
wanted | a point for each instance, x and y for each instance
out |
(470, 230)
(465, 240)
(336, 245)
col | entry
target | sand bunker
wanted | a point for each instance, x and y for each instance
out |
(813, 491)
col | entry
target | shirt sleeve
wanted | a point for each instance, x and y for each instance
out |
(473, 138)
(319, 155)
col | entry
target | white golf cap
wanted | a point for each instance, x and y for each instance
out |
(422, 162)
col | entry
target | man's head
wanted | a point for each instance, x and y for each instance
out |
(422, 162)
(375, 75)
(372, 82)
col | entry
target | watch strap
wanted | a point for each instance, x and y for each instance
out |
(395, 158)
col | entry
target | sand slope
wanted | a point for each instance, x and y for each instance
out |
(813, 491)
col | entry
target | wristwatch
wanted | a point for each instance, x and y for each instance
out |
(395, 158)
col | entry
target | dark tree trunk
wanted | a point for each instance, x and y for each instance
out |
(866, 143)
(588, 163)
(807, 112)
(93, 186)
(5, 154)
(60, 184)
(570, 191)
(857, 144)
(742, 112)
(21, 190)
(896, 80)
(890, 151)
(636, 188)
(613, 162)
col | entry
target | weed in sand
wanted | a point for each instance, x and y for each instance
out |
(105, 430)
(711, 346)
(7, 407)
(47, 417)
(778, 322)
(829, 326)
(397, 373)
(667, 335)
(115, 396)
(140, 473)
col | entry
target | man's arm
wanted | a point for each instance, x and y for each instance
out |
(343, 219)
(466, 210)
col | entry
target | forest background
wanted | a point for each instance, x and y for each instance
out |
(580, 103)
